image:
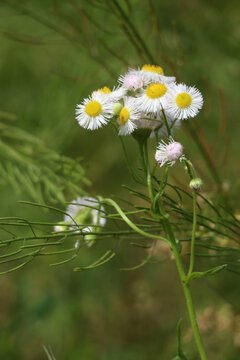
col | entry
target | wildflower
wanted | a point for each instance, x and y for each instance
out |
(131, 82)
(168, 152)
(154, 73)
(85, 211)
(183, 101)
(128, 114)
(94, 112)
(84, 215)
(153, 98)
(112, 95)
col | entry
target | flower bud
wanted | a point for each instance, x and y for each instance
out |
(133, 82)
(117, 108)
(196, 184)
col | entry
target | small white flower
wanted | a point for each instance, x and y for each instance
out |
(183, 101)
(153, 99)
(127, 116)
(94, 112)
(168, 152)
(112, 95)
(85, 211)
(151, 73)
(131, 82)
(154, 73)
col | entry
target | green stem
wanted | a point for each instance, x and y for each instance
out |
(130, 223)
(166, 123)
(193, 233)
(190, 305)
(185, 285)
(149, 177)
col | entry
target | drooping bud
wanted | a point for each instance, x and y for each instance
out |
(196, 184)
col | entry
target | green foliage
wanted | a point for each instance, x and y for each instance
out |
(29, 165)
(39, 63)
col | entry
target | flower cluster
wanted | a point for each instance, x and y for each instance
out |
(144, 98)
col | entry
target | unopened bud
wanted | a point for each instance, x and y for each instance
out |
(196, 184)
(117, 108)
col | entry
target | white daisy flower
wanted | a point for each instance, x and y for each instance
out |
(128, 114)
(94, 112)
(112, 95)
(85, 215)
(153, 98)
(168, 152)
(183, 101)
(150, 73)
(154, 73)
(85, 211)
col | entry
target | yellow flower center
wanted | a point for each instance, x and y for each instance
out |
(104, 90)
(156, 90)
(124, 115)
(153, 68)
(93, 108)
(183, 100)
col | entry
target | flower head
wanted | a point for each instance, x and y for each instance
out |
(85, 211)
(94, 112)
(83, 216)
(183, 101)
(154, 73)
(131, 82)
(168, 152)
(111, 95)
(127, 116)
(153, 99)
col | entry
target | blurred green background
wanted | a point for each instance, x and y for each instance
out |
(52, 55)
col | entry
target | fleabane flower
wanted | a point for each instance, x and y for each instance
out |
(183, 101)
(94, 112)
(131, 82)
(168, 152)
(153, 98)
(154, 73)
(112, 95)
(128, 114)
(83, 216)
(85, 211)
(150, 73)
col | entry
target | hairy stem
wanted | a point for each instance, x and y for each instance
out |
(187, 293)
(193, 234)
(189, 303)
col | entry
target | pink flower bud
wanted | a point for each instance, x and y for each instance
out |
(168, 152)
(133, 82)
(174, 151)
